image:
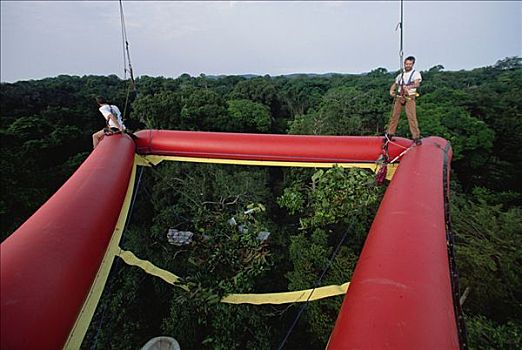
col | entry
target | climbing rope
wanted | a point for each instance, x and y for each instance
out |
(126, 53)
(384, 158)
(126, 60)
(401, 25)
(389, 141)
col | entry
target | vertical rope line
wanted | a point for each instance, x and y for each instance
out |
(124, 39)
(401, 52)
(126, 60)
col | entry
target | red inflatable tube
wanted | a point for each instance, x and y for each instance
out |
(296, 148)
(400, 296)
(50, 262)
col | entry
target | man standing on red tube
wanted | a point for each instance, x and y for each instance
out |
(404, 90)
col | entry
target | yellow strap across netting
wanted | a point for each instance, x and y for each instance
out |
(150, 268)
(155, 160)
(256, 299)
(297, 296)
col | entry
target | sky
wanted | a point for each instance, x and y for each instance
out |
(42, 39)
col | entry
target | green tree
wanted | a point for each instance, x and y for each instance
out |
(302, 93)
(247, 116)
(160, 111)
(330, 204)
(203, 110)
(343, 111)
(486, 334)
(222, 207)
(488, 257)
(261, 90)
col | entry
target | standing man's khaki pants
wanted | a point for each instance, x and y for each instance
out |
(411, 113)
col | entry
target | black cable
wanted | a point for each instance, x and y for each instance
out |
(131, 208)
(116, 264)
(317, 284)
(126, 101)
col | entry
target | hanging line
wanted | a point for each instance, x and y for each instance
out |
(123, 38)
(116, 265)
(401, 50)
(126, 52)
(400, 26)
(317, 283)
(381, 174)
(126, 60)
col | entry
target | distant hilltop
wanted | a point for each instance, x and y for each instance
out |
(292, 75)
(508, 63)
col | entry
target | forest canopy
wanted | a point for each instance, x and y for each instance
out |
(45, 133)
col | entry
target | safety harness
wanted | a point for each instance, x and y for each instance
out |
(110, 130)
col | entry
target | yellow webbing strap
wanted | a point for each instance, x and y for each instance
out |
(256, 299)
(155, 160)
(75, 339)
(298, 296)
(151, 269)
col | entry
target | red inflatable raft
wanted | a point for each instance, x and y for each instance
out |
(400, 296)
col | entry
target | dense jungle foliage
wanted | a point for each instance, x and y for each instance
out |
(46, 128)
